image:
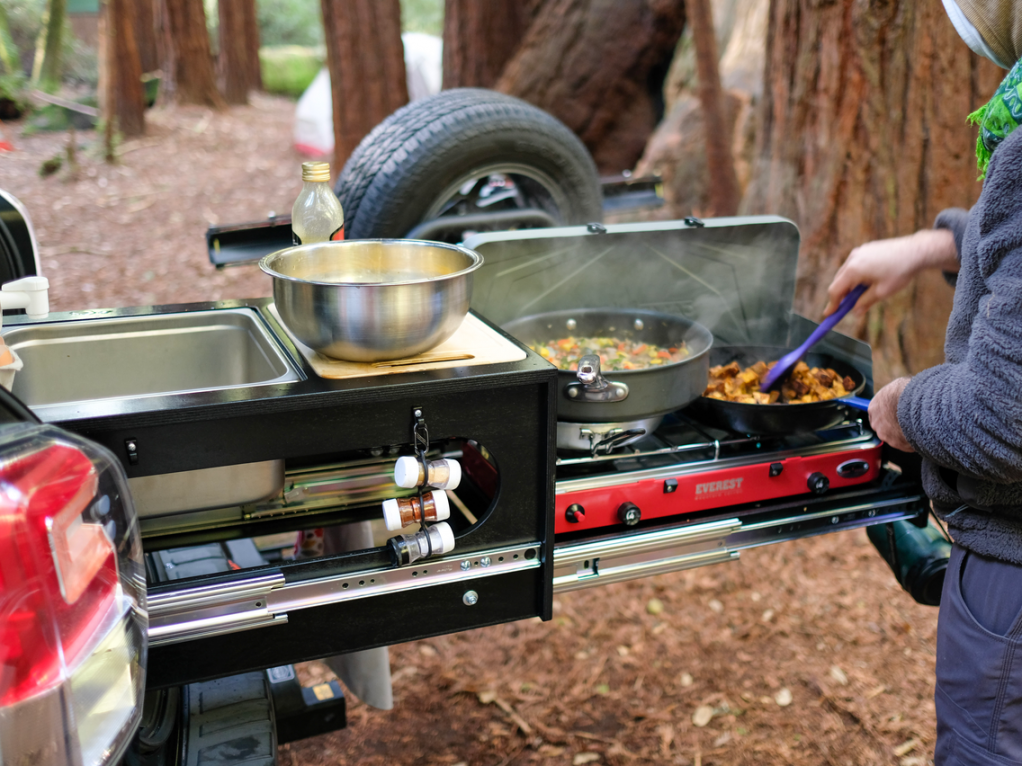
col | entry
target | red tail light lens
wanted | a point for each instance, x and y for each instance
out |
(58, 571)
(72, 601)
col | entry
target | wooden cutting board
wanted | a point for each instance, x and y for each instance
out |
(472, 344)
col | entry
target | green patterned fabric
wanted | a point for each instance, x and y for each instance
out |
(998, 118)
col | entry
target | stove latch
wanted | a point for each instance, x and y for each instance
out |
(592, 386)
(853, 469)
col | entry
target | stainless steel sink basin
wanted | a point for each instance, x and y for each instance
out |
(136, 360)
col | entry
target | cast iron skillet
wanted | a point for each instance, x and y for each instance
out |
(774, 419)
(652, 391)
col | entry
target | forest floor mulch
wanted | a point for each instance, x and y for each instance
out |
(800, 653)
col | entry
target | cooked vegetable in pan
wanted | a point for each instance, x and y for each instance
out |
(730, 383)
(614, 353)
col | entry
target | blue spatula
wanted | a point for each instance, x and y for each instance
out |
(786, 362)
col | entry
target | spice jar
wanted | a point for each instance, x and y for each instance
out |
(442, 474)
(433, 541)
(399, 512)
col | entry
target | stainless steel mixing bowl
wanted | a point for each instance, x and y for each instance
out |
(368, 300)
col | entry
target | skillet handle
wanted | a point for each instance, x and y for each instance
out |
(856, 402)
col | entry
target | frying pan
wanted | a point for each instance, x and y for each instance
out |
(654, 390)
(774, 419)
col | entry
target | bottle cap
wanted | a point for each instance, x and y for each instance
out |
(442, 503)
(392, 515)
(406, 472)
(443, 529)
(316, 171)
(455, 480)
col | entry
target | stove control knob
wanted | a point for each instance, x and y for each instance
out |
(629, 514)
(575, 514)
(818, 483)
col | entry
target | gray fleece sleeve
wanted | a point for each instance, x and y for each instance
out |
(968, 416)
(954, 219)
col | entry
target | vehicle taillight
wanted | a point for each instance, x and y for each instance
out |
(72, 596)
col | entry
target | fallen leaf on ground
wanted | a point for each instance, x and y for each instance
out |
(702, 716)
(783, 697)
(582, 758)
(905, 747)
(685, 679)
(838, 675)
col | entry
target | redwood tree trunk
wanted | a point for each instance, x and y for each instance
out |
(145, 35)
(480, 38)
(720, 163)
(367, 68)
(49, 59)
(863, 136)
(121, 69)
(610, 58)
(255, 73)
(188, 74)
(234, 62)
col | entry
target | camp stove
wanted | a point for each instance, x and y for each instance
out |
(687, 469)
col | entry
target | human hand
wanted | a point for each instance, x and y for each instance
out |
(888, 265)
(883, 415)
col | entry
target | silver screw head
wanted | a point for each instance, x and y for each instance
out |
(638, 324)
(572, 324)
(466, 565)
(471, 598)
(484, 561)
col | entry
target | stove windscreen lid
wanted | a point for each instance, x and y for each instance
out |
(735, 276)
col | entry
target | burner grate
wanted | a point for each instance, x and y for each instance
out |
(680, 439)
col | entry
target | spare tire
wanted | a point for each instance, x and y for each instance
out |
(472, 153)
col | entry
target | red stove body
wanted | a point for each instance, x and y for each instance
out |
(683, 470)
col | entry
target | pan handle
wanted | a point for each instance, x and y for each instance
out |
(592, 386)
(856, 402)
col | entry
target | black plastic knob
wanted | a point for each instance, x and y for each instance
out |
(575, 514)
(818, 483)
(629, 514)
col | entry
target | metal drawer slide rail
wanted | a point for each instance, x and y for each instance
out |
(204, 611)
(614, 560)
(617, 558)
(210, 610)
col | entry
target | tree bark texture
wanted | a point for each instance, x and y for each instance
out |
(720, 164)
(121, 69)
(480, 38)
(599, 67)
(365, 57)
(233, 64)
(9, 63)
(145, 34)
(862, 135)
(188, 75)
(255, 73)
(49, 59)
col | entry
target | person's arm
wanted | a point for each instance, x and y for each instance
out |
(889, 265)
(968, 416)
